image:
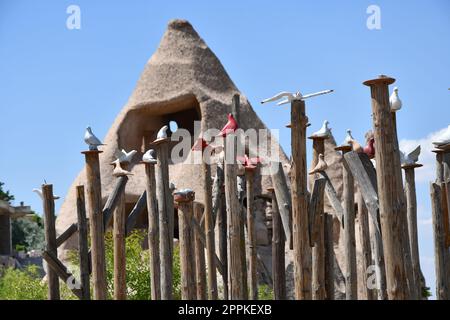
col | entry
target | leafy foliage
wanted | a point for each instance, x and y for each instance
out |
(5, 195)
(28, 234)
(265, 292)
(16, 284)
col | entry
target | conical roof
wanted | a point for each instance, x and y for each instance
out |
(183, 81)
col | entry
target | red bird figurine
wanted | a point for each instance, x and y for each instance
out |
(249, 163)
(200, 145)
(369, 149)
(230, 127)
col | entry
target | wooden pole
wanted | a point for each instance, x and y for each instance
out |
(302, 250)
(209, 231)
(278, 254)
(330, 256)
(284, 199)
(390, 190)
(412, 292)
(366, 252)
(351, 282)
(441, 253)
(251, 238)
(235, 271)
(94, 210)
(119, 225)
(165, 214)
(185, 214)
(200, 264)
(153, 231)
(411, 200)
(318, 247)
(50, 238)
(83, 246)
(223, 242)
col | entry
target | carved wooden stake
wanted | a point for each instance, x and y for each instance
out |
(83, 246)
(209, 231)
(200, 270)
(366, 252)
(302, 250)
(251, 238)
(165, 214)
(119, 224)
(153, 231)
(278, 259)
(187, 266)
(318, 247)
(50, 238)
(330, 257)
(235, 272)
(391, 200)
(94, 210)
(351, 285)
(410, 191)
(441, 253)
(223, 242)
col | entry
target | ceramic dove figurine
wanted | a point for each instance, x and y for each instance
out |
(324, 132)
(410, 158)
(321, 165)
(394, 101)
(289, 97)
(348, 138)
(91, 139)
(119, 171)
(162, 133)
(149, 157)
(39, 193)
(125, 157)
(444, 139)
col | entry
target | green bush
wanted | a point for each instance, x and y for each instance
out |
(265, 292)
(25, 284)
(28, 234)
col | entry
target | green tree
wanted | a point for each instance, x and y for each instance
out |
(5, 195)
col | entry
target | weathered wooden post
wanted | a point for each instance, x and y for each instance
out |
(50, 238)
(283, 196)
(153, 230)
(236, 289)
(411, 201)
(278, 259)
(366, 252)
(165, 214)
(119, 225)
(94, 210)
(299, 190)
(185, 200)
(223, 242)
(441, 252)
(391, 196)
(318, 247)
(351, 285)
(200, 264)
(83, 246)
(251, 236)
(209, 220)
(330, 256)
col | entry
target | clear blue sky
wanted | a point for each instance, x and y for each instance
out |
(55, 81)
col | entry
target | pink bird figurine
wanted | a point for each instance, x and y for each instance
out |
(248, 163)
(200, 145)
(369, 149)
(230, 127)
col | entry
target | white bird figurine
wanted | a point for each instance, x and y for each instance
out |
(323, 132)
(162, 133)
(125, 157)
(91, 139)
(293, 96)
(149, 156)
(39, 193)
(321, 165)
(394, 101)
(410, 158)
(444, 139)
(119, 171)
(348, 138)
